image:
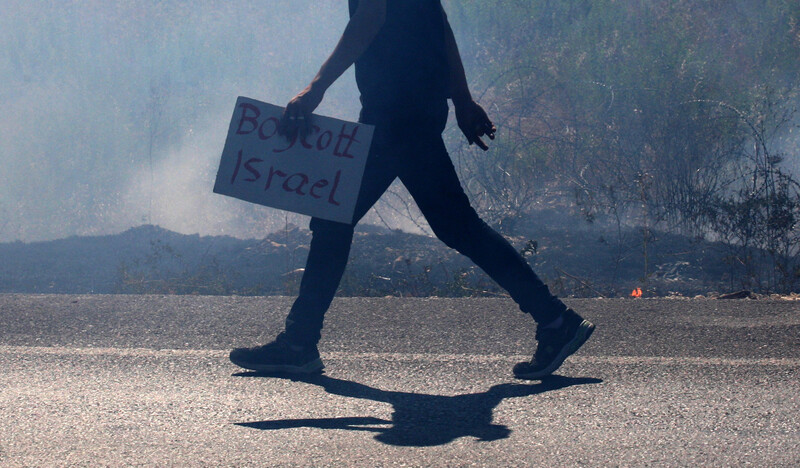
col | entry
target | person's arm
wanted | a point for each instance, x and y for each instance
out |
(362, 28)
(471, 118)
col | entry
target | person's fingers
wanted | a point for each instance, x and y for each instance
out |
(304, 125)
(308, 121)
(491, 129)
(292, 121)
(474, 123)
(470, 136)
(288, 122)
(485, 128)
(288, 127)
(481, 130)
(283, 123)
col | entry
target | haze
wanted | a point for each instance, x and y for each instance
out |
(114, 113)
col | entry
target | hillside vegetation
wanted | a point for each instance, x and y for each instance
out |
(150, 260)
(672, 116)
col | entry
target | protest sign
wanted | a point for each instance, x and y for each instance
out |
(319, 175)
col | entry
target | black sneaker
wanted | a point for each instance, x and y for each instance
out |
(278, 356)
(555, 345)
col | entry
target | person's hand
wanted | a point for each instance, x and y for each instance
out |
(474, 123)
(297, 115)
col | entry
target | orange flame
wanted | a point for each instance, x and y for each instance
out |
(637, 292)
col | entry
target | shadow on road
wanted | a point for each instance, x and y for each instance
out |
(419, 419)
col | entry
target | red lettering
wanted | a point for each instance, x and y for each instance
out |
(346, 152)
(291, 144)
(303, 141)
(297, 190)
(261, 133)
(272, 172)
(319, 184)
(245, 118)
(236, 169)
(331, 200)
(322, 146)
(349, 139)
(252, 170)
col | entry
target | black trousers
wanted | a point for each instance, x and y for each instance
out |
(409, 145)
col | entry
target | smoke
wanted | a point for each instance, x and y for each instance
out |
(114, 113)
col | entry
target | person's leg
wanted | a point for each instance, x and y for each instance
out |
(295, 349)
(327, 258)
(432, 180)
(330, 249)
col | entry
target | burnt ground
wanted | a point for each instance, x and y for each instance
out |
(578, 260)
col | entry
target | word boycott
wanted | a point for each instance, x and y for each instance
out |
(268, 128)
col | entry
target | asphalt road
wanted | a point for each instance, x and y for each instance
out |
(145, 381)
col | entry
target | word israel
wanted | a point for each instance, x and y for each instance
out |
(317, 175)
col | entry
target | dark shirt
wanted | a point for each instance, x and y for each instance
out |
(405, 67)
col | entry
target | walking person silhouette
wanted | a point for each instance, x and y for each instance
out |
(407, 67)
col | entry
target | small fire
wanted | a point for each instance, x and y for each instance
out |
(637, 292)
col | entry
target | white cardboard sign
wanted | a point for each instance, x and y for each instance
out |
(319, 175)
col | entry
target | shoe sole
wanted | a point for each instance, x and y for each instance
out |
(582, 334)
(308, 368)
